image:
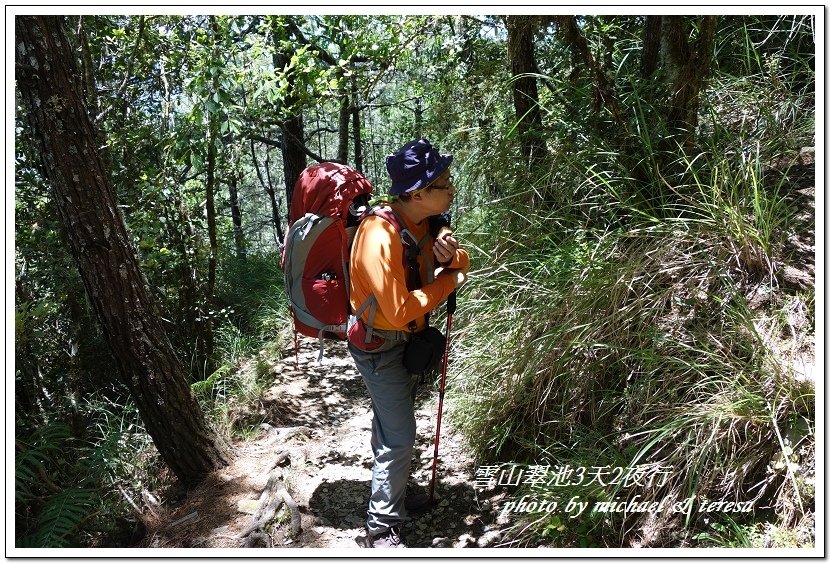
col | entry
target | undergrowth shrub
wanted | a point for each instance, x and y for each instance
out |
(252, 335)
(632, 309)
(79, 500)
(251, 292)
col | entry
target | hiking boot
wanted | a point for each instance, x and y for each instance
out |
(391, 537)
(417, 503)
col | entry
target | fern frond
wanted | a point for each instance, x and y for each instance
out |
(63, 515)
(36, 453)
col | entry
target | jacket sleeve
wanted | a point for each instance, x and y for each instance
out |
(379, 264)
(461, 261)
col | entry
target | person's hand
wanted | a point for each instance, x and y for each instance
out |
(444, 247)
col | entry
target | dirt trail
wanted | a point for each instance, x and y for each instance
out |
(321, 414)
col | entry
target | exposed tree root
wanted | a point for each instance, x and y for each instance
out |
(293, 509)
(270, 501)
(283, 434)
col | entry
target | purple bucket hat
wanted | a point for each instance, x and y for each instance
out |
(415, 165)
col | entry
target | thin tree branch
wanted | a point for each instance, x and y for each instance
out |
(604, 88)
(310, 134)
(128, 72)
(266, 140)
(311, 154)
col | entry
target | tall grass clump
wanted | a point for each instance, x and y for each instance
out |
(251, 293)
(643, 327)
(638, 347)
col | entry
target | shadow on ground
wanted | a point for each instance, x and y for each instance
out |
(457, 518)
(341, 504)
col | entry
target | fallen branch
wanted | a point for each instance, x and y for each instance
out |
(192, 516)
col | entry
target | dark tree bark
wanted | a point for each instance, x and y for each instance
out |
(691, 61)
(293, 132)
(343, 126)
(358, 141)
(525, 92)
(236, 217)
(652, 37)
(50, 88)
(419, 118)
(293, 155)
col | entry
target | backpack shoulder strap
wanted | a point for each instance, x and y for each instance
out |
(411, 245)
(389, 214)
(412, 249)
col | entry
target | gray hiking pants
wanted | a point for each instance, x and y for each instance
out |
(392, 389)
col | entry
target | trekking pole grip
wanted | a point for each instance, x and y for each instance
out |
(451, 302)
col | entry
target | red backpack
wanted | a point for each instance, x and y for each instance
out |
(315, 258)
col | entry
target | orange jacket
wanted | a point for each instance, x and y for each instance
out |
(377, 268)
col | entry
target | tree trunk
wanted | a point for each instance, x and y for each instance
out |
(210, 212)
(272, 197)
(604, 94)
(691, 62)
(525, 92)
(652, 37)
(343, 126)
(182, 235)
(50, 88)
(293, 132)
(293, 156)
(358, 141)
(87, 68)
(236, 217)
(419, 118)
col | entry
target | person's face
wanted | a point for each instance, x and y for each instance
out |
(439, 194)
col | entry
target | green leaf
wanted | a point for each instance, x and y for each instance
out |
(63, 515)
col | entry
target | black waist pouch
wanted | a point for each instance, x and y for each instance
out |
(424, 350)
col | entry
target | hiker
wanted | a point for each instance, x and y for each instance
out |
(421, 191)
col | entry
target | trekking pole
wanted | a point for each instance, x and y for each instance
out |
(451, 302)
